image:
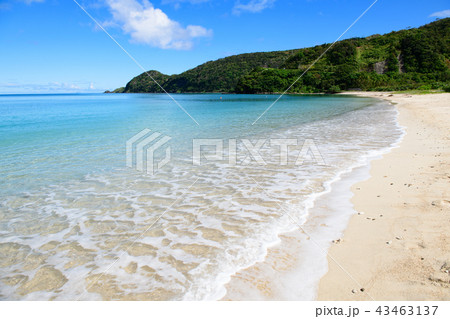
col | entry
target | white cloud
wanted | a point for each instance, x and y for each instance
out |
(149, 25)
(441, 14)
(177, 3)
(31, 1)
(252, 6)
(51, 87)
(181, 1)
(5, 6)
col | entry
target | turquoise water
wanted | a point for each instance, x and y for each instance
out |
(49, 138)
(70, 204)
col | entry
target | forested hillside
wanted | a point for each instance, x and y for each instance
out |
(408, 59)
(215, 76)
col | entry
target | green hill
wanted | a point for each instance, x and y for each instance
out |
(214, 76)
(416, 58)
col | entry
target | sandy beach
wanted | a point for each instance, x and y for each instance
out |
(399, 248)
(396, 248)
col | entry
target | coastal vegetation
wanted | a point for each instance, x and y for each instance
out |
(411, 59)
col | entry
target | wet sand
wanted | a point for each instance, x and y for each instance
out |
(399, 248)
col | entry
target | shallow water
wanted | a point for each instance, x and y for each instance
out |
(76, 223)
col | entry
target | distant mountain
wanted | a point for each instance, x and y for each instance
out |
(401, 60)
(215, 76)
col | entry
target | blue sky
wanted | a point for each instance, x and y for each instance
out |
(52, 46)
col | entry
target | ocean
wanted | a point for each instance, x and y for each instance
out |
(182, 207)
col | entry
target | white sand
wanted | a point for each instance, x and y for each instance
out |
(406, 203)
(405, 253)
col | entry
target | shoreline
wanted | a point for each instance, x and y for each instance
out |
(283, 271)
(399, 248)
(284, 268)
(299, 259)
